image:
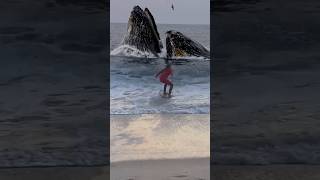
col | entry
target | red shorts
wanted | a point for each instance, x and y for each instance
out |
(165, 81)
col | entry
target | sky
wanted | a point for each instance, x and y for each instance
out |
(186, 11)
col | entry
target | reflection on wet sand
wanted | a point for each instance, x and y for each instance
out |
(142, 137)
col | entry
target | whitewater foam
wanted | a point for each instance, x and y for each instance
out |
(130, 51)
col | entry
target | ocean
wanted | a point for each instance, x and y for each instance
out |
(135, 90)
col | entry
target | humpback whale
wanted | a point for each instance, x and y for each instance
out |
(179, 45)
(142, 32)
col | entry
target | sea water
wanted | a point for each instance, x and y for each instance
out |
(134, 88)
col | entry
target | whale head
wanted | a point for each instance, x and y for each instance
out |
(179, 45)
(142, 32)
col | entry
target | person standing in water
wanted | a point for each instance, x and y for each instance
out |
(164, 74)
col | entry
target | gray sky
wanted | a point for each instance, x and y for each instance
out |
(186, 11)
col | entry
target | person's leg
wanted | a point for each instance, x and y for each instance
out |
(165, 89)
(170, 90)
(164, 86)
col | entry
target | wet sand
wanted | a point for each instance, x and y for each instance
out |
(159, 136)
(160, 146)
(195, 169)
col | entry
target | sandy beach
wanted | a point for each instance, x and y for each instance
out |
(159, 136)
(160, 146)
(195, 169)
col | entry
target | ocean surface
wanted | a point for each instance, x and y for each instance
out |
(134, 88)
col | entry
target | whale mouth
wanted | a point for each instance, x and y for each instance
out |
(179, 45)
(138, 15)
(173, 49)
(142, 32)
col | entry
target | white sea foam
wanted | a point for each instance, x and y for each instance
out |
(130, 51)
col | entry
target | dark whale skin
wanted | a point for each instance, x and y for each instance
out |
(179, 45)
(142, 32)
